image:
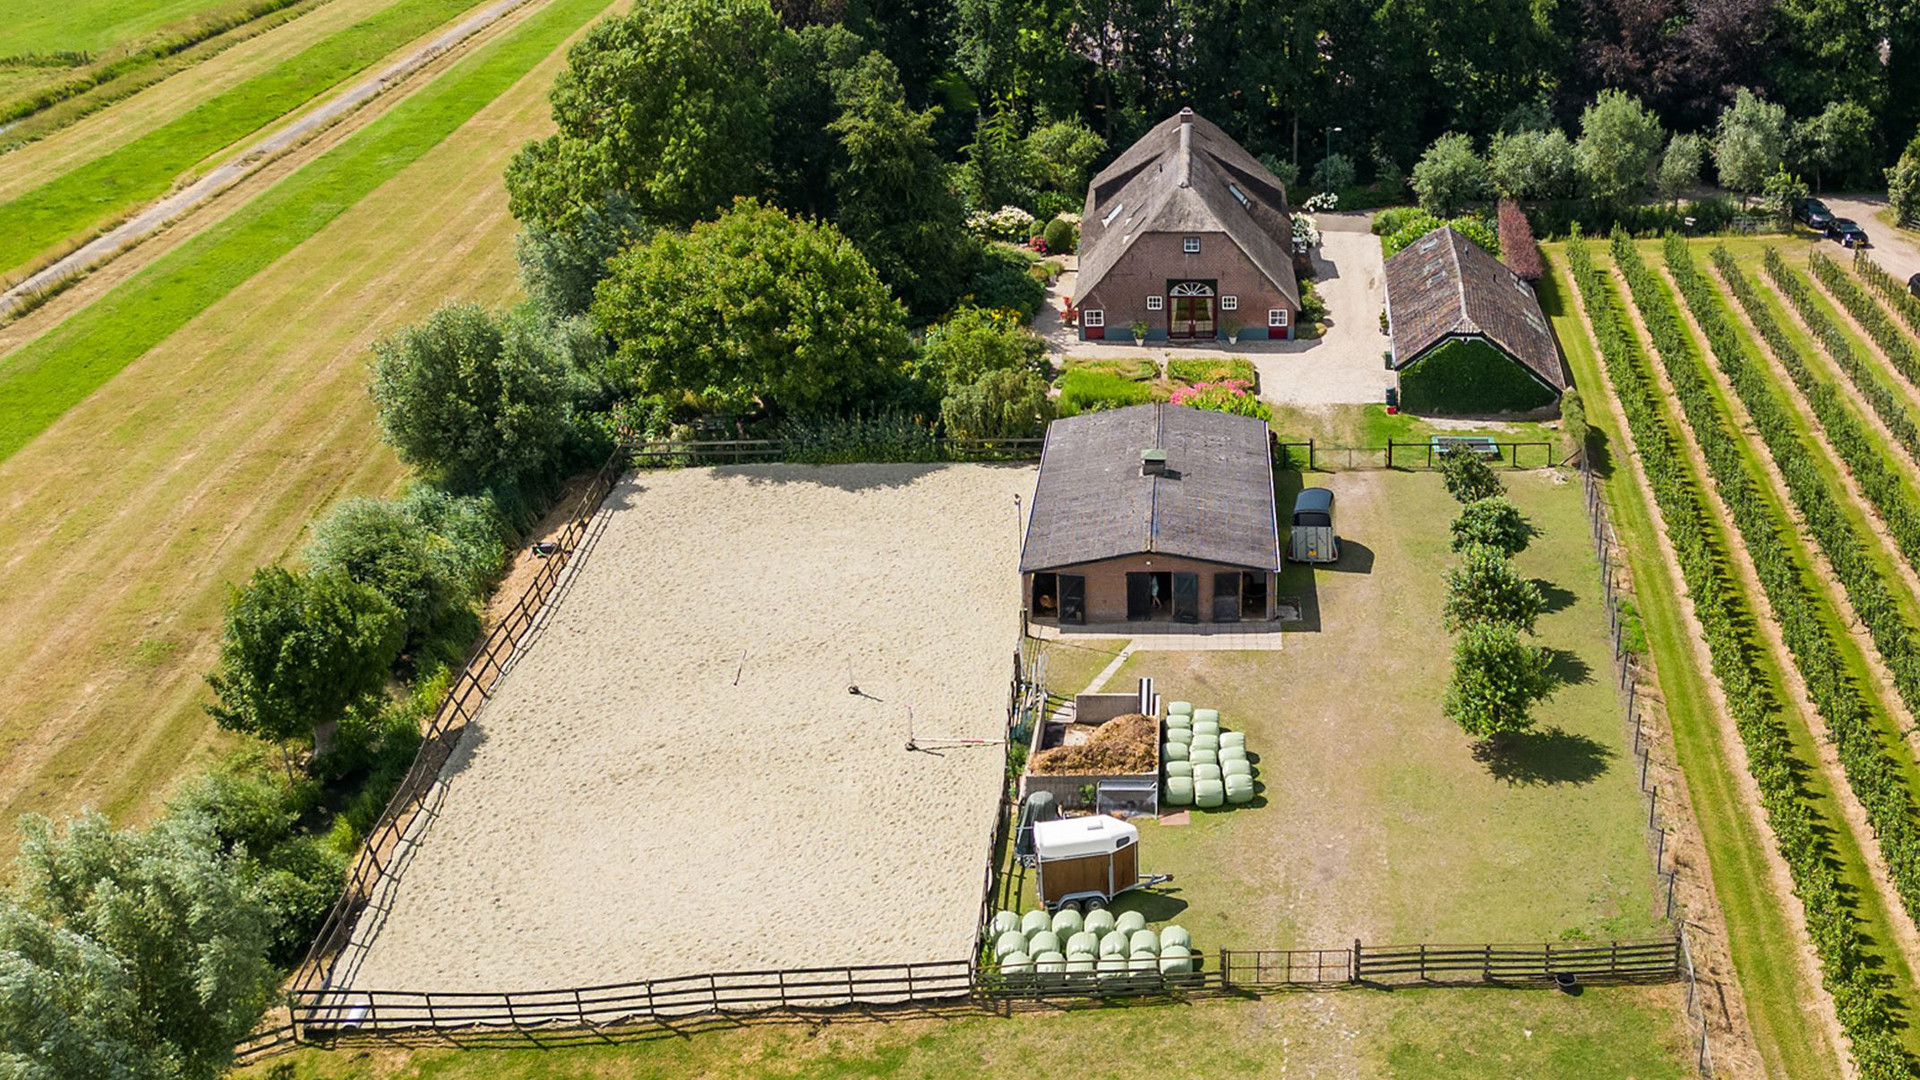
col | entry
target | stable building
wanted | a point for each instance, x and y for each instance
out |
(1189, 233)
(1468, 334)
(1152, 513)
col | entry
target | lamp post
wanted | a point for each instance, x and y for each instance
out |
(1326, 172)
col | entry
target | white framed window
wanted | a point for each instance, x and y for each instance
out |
(1277, 317)
(1093, 317)
(1155, 303)
(1191, 245)
(1229, 303)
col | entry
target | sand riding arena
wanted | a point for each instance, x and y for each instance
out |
(673, 778)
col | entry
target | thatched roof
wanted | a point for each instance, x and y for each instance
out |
(1443, 285)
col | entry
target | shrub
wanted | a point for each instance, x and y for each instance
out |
(1497, 679)
(1334, 173)
(1230, 396)
(1449, 175)
(975, 341)
(1494, 523)
(1903, 186)
(1063, 237)
(1313, 310)
(887, 437)
(1522, 252)
(1484, 588)
(1204, 371)
(1003, 404)
(1000, 280)
(1573, 421)
(1009, 224)
(1414, 224)
(1083, 391)
(1468, 476)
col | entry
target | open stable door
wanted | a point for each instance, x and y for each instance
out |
(1186, 598)
(1073, 599)
(1139, 597)
(1226, 596)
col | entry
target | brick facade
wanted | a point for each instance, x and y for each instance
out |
(1153, 262)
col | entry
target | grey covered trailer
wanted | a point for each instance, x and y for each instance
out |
(1311, 539)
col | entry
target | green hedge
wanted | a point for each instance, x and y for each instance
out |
(1083, 390)
(1837, 936)
(1468, 375)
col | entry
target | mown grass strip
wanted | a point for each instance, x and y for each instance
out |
(48, 375)
(1865, 1010)
(93, 193)
(1891, 289)
(1871, 316)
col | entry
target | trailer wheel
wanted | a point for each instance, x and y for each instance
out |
(1073, 906)
(1096, 903)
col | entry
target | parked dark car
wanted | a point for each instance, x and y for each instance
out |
(1848, 232)
(1814, 214)
(1913, 285)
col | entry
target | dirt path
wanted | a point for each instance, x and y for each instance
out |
(155, 217)
(1735, 1051)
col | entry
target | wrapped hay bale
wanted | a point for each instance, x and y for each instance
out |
(1205, 771)
(1206, 716)
(1209, 794)
(1174, 936)
(1051, 963)
(1016, 964)
(1179, 768)
(1231, 753)
(1203, 741)
(1112, 965)
(1099, 922)
(1239, 789)
(1079, 965)
(1130, 921)
(1123, 744)
(1143, 941)
(1004, 921)
(1204, 755)
(1179, 790)
(1206, 727)
(1114, 943)
(1035, 921)
(1145, 963)
(1233, 738)
(1184, 723)
(1084, 942)
(1045, 941)
(1008, 943)
(1066, 923)
(1179, 735)
(1174, 751)
(1180, 708)
(1176, 960)
(1236, 767)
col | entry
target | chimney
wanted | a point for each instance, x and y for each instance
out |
(1186, 115)
(1153, 462)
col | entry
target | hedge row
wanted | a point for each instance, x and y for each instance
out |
(1871, 770)
(1891, 289)
(1868, 314)
(1835, 341)
(1847, 971)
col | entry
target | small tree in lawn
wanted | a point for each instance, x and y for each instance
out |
(1468, 476)
(1493, 522)
(1449, 175)
(298, 650)
(1497, 680)
(1485, 588)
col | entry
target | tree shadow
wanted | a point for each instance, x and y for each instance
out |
(1539, 758)
(1599, 453)
(1566, 668)
(1557, 598)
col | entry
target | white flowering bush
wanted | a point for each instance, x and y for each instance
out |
(1008, 223)
(1306, 232)
(1325, 200)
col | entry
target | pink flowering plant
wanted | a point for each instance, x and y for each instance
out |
(1226, 395)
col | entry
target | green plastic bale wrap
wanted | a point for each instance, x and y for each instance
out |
(1179, 723)
(1231, 753)
(1114, 943)
(1202, 741)
(1233, 738)
(1239, 794)
(1129, 922)
(1099, 922)
(1084, 942)
(1180, 708)
(1203, 755)
(1176, 961)
(1180, 790)
(1007, 944)
(1174, 936)
(1209, 794)
(1143, 941)
(1050, 963)
(1066, 923)
(1179, 768)
(1016, 964)
(1004, 921)
(1111, 966)
(1143, 963)
(1043, 942)
(1077, 965)
(1207, 728)
(1180, 736)
(1205, 771)
(1035, 921)
(1206, 716)
(1236, 767)
(1174, 751)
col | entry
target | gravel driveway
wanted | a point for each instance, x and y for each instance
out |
(1893, 249)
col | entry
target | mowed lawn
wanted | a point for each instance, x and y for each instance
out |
(46, 26)
(245, 415)
(78, 202)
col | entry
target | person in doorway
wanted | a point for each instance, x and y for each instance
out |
(1153, 587)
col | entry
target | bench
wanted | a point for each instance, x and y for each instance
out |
(1478, 444)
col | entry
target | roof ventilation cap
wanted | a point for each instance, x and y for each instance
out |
(1153, 462)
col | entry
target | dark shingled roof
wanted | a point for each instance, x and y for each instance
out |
(1443, 285)
(1181, 178)
(1215, 503)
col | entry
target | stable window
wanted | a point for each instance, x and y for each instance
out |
(1093, 317)
(1229, 303)
(1191, 245)
(1277, 316)
(1155, 303)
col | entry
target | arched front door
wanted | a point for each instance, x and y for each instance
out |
(1190, 309)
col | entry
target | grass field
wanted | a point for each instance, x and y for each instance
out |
(92, 194)
(231, 427)
(91, 25)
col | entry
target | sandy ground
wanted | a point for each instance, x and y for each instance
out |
(674, 779)
(1342, 367)
(1892, 248)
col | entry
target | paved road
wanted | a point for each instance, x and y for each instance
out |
(106, 246)
(1897, 251)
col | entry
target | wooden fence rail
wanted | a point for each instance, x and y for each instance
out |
(1311, 456)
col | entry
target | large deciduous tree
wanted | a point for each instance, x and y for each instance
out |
(1497, 679)
(1449, 175)
(1620, 140)
(755, 306)
(1903, 185)
(1485, 588)
(1532, 164)
(1840, 146)
(1680, 166)
(1749, 142)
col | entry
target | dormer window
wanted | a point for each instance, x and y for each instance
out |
(1191, 245)
(1111, 214)
(1238, 194)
